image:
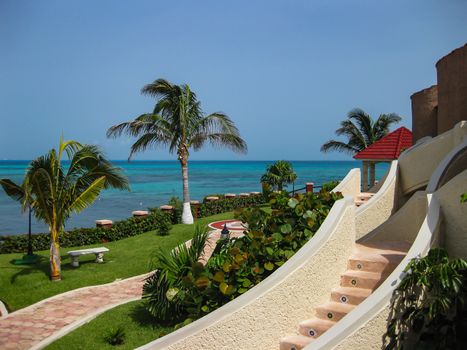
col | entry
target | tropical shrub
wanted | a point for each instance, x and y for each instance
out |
(193, 290)
(174, 268)
(116, 337)
(428, 307)
(222, 205)
(279, 174)
(330, 185)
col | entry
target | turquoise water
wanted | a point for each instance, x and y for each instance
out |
(153, 183)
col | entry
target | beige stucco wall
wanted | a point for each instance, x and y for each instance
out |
(404, 224)
(369, 337)
(350, 185)
(379, 208)
(417, 164)
(455, 215)
(277, 306)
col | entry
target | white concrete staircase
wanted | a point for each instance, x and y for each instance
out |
(362, 198)
(368, 267)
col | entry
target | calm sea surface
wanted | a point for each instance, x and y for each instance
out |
(153, 183)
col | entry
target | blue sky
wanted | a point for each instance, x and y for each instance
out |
(285, 71)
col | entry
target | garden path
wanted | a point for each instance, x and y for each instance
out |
(40, 324)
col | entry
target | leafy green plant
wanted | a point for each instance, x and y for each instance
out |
(177, 210)
(164, 289)
(222, 205)
(428, 310)
(182, 289)
(116, 337)
(279, 174)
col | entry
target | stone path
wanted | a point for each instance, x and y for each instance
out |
(39, 324)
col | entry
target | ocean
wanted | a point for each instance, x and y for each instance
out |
(153, 183)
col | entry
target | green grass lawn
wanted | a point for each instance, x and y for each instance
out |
(139, 326)
(24, 285)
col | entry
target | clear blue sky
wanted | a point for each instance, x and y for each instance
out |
(285, 71)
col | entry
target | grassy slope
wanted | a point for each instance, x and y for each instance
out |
(138, 325)
(24, 285)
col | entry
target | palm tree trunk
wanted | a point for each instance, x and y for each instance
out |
(55, 268)
(187, 216)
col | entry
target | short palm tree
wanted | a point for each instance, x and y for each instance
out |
(178, 123)
(361, 131)
(279, 174)
(55, 191)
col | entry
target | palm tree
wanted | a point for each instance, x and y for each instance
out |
(279, 174)
(55, 191)
(18, 193)
(178, 123)
(361, 131)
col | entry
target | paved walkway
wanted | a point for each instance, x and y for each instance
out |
(27, 327)
(39, 323)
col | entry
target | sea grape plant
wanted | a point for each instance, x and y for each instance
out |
(273, 237)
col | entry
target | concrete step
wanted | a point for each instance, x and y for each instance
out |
(314, 327)
(378, 257)
(361, 279)
(349, 295)
(333, 311)
(359, 202)
(295, 342)
(364, 196)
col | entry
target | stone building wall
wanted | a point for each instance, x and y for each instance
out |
(425, 113)
(452, 89)
(440, 107)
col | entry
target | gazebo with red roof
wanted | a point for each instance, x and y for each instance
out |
(386, 149)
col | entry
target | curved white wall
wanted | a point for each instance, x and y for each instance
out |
(350, 184)
(403, 225)
(380, 207)
(418, 163)
(364, 326)
(261, 316)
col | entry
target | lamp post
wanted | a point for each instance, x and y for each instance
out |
(224, 238)
(225, 233)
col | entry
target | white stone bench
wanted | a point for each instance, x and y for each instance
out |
(75, 254)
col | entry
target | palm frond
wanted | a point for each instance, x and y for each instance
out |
(13, 190)
(364, 124)
(85, 198)
(333, 145)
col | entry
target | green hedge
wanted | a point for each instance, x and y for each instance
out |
(222, 205)
(209, 208)
(156, 220)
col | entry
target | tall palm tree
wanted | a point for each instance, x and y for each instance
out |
(55, 191)
(279, 174)
(361, 131)
(178, 123)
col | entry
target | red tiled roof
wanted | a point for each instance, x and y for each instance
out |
(389, 146)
